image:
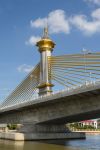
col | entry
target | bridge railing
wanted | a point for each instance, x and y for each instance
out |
(88, 86)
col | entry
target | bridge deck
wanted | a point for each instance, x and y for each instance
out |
(88, 87)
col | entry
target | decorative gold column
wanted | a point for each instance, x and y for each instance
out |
(45, 47)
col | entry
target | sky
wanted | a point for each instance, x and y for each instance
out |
(73, 25)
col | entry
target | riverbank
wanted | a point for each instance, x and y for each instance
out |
(88, 132)
(41, 136)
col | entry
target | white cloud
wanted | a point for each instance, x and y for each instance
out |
(38, 23)
(25, 68)
(96, 14)
(57, 22)
(87, 26)
(32, 40)
(97, 2)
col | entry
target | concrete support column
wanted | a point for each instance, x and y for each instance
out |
(48, 132)
(43, 128)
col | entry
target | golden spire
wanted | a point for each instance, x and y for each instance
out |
(45, 33)
(45, 44)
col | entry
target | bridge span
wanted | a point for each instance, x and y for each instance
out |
(76, 104)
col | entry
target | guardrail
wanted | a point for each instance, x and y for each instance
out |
(84, 86)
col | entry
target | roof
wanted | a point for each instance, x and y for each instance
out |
(88, 121)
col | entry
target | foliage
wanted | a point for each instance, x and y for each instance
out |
(78, 126)
(12, 126)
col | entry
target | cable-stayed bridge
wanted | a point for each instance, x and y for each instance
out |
(36, 103)
(72, 71)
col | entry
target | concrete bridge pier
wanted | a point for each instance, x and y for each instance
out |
(43, 128)
(48, 132)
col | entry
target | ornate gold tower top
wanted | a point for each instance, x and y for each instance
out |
(45, 44)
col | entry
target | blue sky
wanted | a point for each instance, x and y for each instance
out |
(73, 25)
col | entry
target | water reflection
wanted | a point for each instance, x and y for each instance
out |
(43, 146)
(57, 142)
(11, 145)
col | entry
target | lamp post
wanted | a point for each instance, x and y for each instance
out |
(85, 52)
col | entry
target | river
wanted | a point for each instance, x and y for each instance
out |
(92, 142)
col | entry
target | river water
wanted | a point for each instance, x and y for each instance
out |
(92, 142)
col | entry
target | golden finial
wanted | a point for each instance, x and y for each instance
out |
(45, 44)
(45, 32)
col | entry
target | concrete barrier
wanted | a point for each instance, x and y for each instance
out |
(41, 136)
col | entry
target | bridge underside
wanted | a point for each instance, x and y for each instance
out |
(60, 110)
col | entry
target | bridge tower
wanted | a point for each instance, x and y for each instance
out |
(45, 47)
